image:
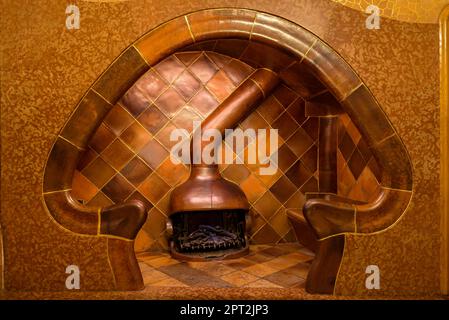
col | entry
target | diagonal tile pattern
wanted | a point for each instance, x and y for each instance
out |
(279, 266)
(129, 155)
(358, 171)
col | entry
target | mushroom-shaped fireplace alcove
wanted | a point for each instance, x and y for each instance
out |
(350, 172)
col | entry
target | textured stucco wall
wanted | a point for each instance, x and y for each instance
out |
(46, 69)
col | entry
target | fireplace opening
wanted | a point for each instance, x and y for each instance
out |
(209, 234)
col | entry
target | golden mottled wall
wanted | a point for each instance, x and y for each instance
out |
(46, 69)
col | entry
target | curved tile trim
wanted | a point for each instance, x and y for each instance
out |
(211, 24)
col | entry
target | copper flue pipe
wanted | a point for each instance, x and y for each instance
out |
(239, 104)
(205, 189)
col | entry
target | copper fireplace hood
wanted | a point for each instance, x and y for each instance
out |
(205, 189)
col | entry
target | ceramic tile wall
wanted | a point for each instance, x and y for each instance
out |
(128, 156)
(358, 172)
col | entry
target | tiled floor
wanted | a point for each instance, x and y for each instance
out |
(266, 266)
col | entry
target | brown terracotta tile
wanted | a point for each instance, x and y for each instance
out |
(164, 136)
(152, 85)
(310, 186)
(297, 111)
(274, 251)
(285, 158)
(270, 109)
(86, 158)
(214, 269)
(265, 235)
(86, 117)
(220, 60)
(154, 188)
(299, 142)
(394, 159)
(239, 278)
(154, 47)
(353, 132)
(299, 174)
(267, 56)
(121, 74)
(153, 119)
(118, 119)
(118, 189)
(152, 276)
(284, 279)
(136, 195)
(300, 270)
(323, 104)
(102, 138)
(253, 188)
(258, 221)
(375, 169)
(187, 57)
(237, 71)
(236, 173)
(311, 127)
(185, 118)
(135, 137)
(285, 125)
(230, 47)
(153, 153)
(375, 123)
(82, 188)
(238, 264)
(280, 222)
(135, 101)
(262, 283)
(117, 154)
(268, 180)
(366, 153)
(187, 85)
(356, 163)
(267, 205)
(171, 173)
(170, 102)
(100, 200)
(285, 95)
(220, 85)
(169, 69)
(163, 260)
(338, 74)
(345, 181)
(287, 261)
(164, 204)
(203, 68)
(136, 171)
(346, 146)
(256, 257)
(297, 200)
(193, 277)
(259, 270)
(154, 226)
(309, 158)
(254, 121)
(268, 27)
(299, 78)
(204, 102)
(99, 172)
(283, 189)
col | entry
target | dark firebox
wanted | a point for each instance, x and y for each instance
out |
(209, 231)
